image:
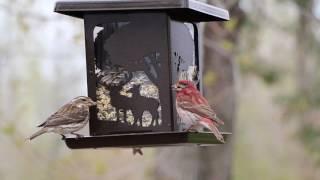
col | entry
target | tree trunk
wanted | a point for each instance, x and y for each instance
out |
(209, 163)
(216, 162)
(304, 62)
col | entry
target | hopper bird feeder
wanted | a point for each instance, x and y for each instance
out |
(135, 51)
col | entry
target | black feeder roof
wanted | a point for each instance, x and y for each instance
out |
(183, 10)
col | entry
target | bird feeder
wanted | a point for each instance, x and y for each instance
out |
(135, 51)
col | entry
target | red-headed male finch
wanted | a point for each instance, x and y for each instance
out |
(70, 118)
(194, 110)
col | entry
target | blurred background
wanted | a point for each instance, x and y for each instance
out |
(261, 74)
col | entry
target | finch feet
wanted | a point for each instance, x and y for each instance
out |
(192, 129)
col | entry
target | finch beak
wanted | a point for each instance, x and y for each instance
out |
(174, 87)
(93, 103)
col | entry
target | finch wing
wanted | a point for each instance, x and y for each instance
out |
(202, 110)
(213, 128)
(67, 114)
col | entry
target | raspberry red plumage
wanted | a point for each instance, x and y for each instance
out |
(194, 110)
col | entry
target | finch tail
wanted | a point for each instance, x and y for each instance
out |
(38, 133)
(218, 120)
(212, 127)
(137, 150)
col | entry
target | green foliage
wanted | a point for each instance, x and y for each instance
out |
(270, 76)
(295, 104)
(101, 168)
(227, 45)
(310, 137)
(210, 78)
(267, 73)
(9, 129)
(231, 24)
(298, 103)
(303, 3)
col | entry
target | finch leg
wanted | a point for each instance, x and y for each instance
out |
(78, 135)
(192, 129)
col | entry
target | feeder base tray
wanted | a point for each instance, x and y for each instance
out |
(153, 139)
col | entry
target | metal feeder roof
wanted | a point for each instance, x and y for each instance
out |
(183, 10)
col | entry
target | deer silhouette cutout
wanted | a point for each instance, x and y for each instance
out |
(113, 80)
(118, 101)
(143, 104)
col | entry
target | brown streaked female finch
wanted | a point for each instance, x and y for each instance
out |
(194, 110)
(68, 119)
